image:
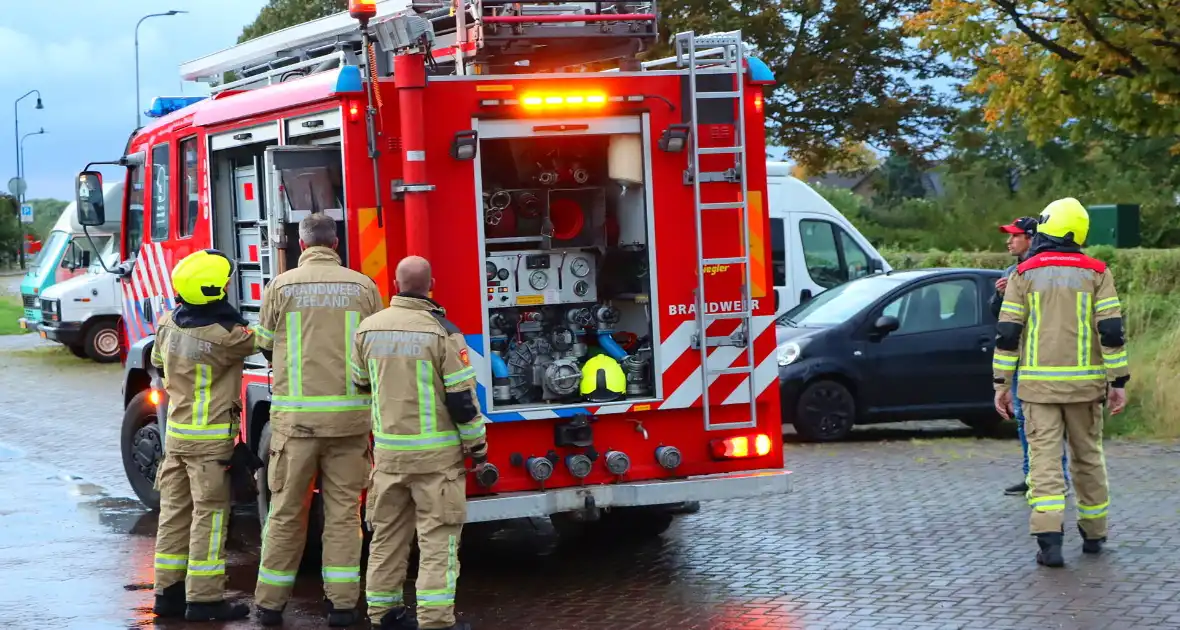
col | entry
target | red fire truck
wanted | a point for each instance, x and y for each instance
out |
(567, 211)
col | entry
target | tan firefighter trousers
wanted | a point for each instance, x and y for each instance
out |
(194, 514)
(343, 465)
(435, 504)
(1081, 424)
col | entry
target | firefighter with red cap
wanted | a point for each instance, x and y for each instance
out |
(1061, 322)
(201, 349)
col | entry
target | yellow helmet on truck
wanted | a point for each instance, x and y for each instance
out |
(1066, 220)
(603, 379)
(201, 277)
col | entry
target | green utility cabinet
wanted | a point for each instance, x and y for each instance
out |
(1114, 224)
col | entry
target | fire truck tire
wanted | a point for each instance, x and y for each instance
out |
(142, 448)
(313, 549)
(79, 352)
(826, 412)
(986, 424)
(634, 523)
(102, 341)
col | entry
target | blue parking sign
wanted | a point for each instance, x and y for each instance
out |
(26, 213)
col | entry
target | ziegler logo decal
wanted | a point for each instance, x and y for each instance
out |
(712, 270)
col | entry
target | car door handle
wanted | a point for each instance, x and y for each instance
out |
(986, 341)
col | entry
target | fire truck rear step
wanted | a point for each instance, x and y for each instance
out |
(727, 46)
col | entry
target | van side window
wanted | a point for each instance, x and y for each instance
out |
(135, 212)
(188, 187)
(778, 251)
(161, 169)
(855, 258)
(821, 254)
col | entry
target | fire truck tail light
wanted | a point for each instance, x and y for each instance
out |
(741, 446)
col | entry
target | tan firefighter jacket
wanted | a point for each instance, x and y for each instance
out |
(425, 409)
(1060, 331)
(309, 315)
(203, 378)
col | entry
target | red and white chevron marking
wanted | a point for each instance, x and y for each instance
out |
(150, 280)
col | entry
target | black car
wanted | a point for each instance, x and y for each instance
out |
(904, 345)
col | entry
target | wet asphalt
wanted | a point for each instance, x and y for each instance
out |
(898, 527)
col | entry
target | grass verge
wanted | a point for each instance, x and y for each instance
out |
(11, 310)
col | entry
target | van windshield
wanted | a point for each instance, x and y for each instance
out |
(50, 253)
(836, 305)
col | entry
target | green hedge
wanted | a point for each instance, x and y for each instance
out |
(1148, 282)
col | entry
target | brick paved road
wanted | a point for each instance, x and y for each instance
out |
(899, 529)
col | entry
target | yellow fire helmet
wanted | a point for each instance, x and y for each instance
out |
(1065, 219)
(603, 379)
(200, 277)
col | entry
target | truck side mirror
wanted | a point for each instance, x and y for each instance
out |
(88, 193)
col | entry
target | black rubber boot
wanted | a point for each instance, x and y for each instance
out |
(1091, 545)
(268, 617)
(400, 618)
(1050, 553)
(171, 603)
(341, 617)
(1018, 489)
(216, 611)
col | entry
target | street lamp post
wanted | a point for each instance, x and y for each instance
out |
(21, 166)
(137, 98)
(16, 139)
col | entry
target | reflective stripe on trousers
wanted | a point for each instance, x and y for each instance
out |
(443, 596)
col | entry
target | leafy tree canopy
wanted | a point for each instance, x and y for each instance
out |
(1052, 64)
(280, 14)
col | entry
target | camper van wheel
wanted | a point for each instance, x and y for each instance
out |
(315, 521)
(143, 449)
(102, 341)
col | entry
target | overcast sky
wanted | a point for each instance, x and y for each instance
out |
(81, 55)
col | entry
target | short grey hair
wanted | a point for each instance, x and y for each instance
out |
(317, 230)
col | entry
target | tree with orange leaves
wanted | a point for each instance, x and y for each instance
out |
(1054, 65)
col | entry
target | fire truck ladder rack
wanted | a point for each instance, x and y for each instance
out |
(488, 36)
(690, 49)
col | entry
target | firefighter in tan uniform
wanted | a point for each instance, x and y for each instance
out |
(425, 419)
(319, 421)
(1061, 321)
(200, 348)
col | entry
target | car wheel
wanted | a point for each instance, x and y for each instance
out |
(312, 549)
(79, 352)
(143, 448)
(102, 342)
(826, 412)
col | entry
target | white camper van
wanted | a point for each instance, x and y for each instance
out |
(813, 247)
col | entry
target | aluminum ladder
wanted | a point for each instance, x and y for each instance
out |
(728, 62)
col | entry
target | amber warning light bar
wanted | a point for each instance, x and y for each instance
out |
(562, 102)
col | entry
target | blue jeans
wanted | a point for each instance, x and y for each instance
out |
(1024, 441)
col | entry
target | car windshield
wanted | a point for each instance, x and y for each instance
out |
(50, 253)
(836, 305)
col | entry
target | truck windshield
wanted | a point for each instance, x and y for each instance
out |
(50, 253)
(837, 304)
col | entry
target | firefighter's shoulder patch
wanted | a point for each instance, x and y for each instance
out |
(463, 357)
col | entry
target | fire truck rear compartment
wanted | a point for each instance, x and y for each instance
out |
(567, 265)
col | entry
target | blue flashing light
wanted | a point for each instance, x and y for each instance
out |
(759, 71)
(164, 105)
(349, 80)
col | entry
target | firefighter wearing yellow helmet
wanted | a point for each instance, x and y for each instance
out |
(1061, 322)
(603, 379)
(199, 348)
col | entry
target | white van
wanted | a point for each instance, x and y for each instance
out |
(84, 313)
(825, 248)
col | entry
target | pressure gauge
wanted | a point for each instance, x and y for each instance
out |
(538, 280)
(581, 287)
(490, 269)
(580, 267)
(503, 275)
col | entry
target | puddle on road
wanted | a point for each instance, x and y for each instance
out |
(10, 452)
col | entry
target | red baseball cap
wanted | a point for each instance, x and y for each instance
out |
(1024, 225)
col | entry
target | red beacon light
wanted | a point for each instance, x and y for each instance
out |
(362, 10)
